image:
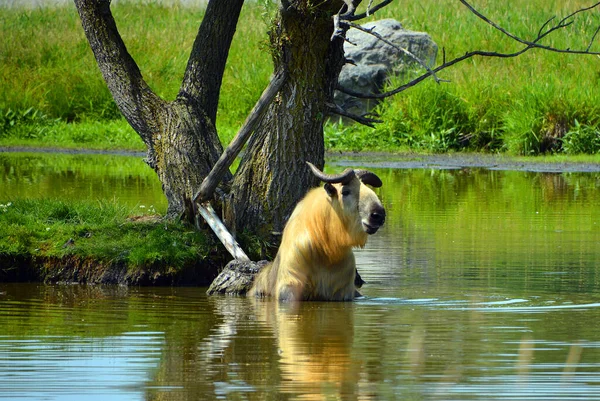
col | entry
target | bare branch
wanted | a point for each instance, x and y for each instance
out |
(349, 15)
(544, 26)
(336, 109)
(528, 45)
(370, 11)
(209, 215)
(427, 74)
(220, 168)
(593, 38)
(535, 43)
(581, 10)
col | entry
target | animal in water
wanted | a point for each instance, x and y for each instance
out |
(315, 259)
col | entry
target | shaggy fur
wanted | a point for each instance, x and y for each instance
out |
(315, 259)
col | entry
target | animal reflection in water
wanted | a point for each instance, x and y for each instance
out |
(315, 259)
(314, 343)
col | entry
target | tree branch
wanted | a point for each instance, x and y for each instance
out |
(370, 11)
(333, 108)
(528, 45)
(204, 73)
(593, 38)
(220, 168)
(340, 21)
(398, 48)
(427, 74)
(563, 23)
(209, 215)
(133, 96)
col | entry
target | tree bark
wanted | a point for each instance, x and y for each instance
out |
(180, 136)
(273, 175)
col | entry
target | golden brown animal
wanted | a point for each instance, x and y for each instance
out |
(315, 259)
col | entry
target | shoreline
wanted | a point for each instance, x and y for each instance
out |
(442, 161)
(70, 268)
(457, 161)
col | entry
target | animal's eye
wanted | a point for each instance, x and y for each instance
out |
(345, 192)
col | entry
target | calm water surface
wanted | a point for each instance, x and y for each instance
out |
(483, 285)
(126, 179)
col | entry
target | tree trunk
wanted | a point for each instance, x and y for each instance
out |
(273, 175)
(182, 153)
(180, 136)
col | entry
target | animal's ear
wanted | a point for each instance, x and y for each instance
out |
(369, 178)
(330, 189)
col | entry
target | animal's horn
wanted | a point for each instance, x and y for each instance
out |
(369, 178)
(344, 178)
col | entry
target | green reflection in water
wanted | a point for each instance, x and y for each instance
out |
(506, 228)
(177, 344)
(64, 176)
(483, 285)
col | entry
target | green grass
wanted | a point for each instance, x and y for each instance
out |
(49, 77)
(106, 232)
(51, 91)
(41, 131)
(536, 103)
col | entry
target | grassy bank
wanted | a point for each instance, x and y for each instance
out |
(101, 242)
(52, 92)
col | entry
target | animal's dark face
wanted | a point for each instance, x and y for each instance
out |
(370, 210)
(360, 204)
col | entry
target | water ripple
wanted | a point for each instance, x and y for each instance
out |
(514, 305)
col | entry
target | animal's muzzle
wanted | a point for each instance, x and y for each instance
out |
(376, 220)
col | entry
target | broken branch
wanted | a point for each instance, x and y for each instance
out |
(219, 169)
(336, 109)
(209, 215)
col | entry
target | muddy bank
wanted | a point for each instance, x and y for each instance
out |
(403, 160)
(461, 161)
(75, 269)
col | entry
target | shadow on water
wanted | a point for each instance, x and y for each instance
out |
(482, 285)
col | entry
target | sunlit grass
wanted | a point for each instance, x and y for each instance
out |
(46, 63)
(538, 102)
(104, 230)
(85, 134)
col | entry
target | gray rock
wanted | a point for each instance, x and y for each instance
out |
(376, 60)
(236, 278)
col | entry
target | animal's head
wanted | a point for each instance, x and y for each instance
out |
(358, 202)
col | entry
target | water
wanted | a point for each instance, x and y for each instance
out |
(483, 285)
(127, 179)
